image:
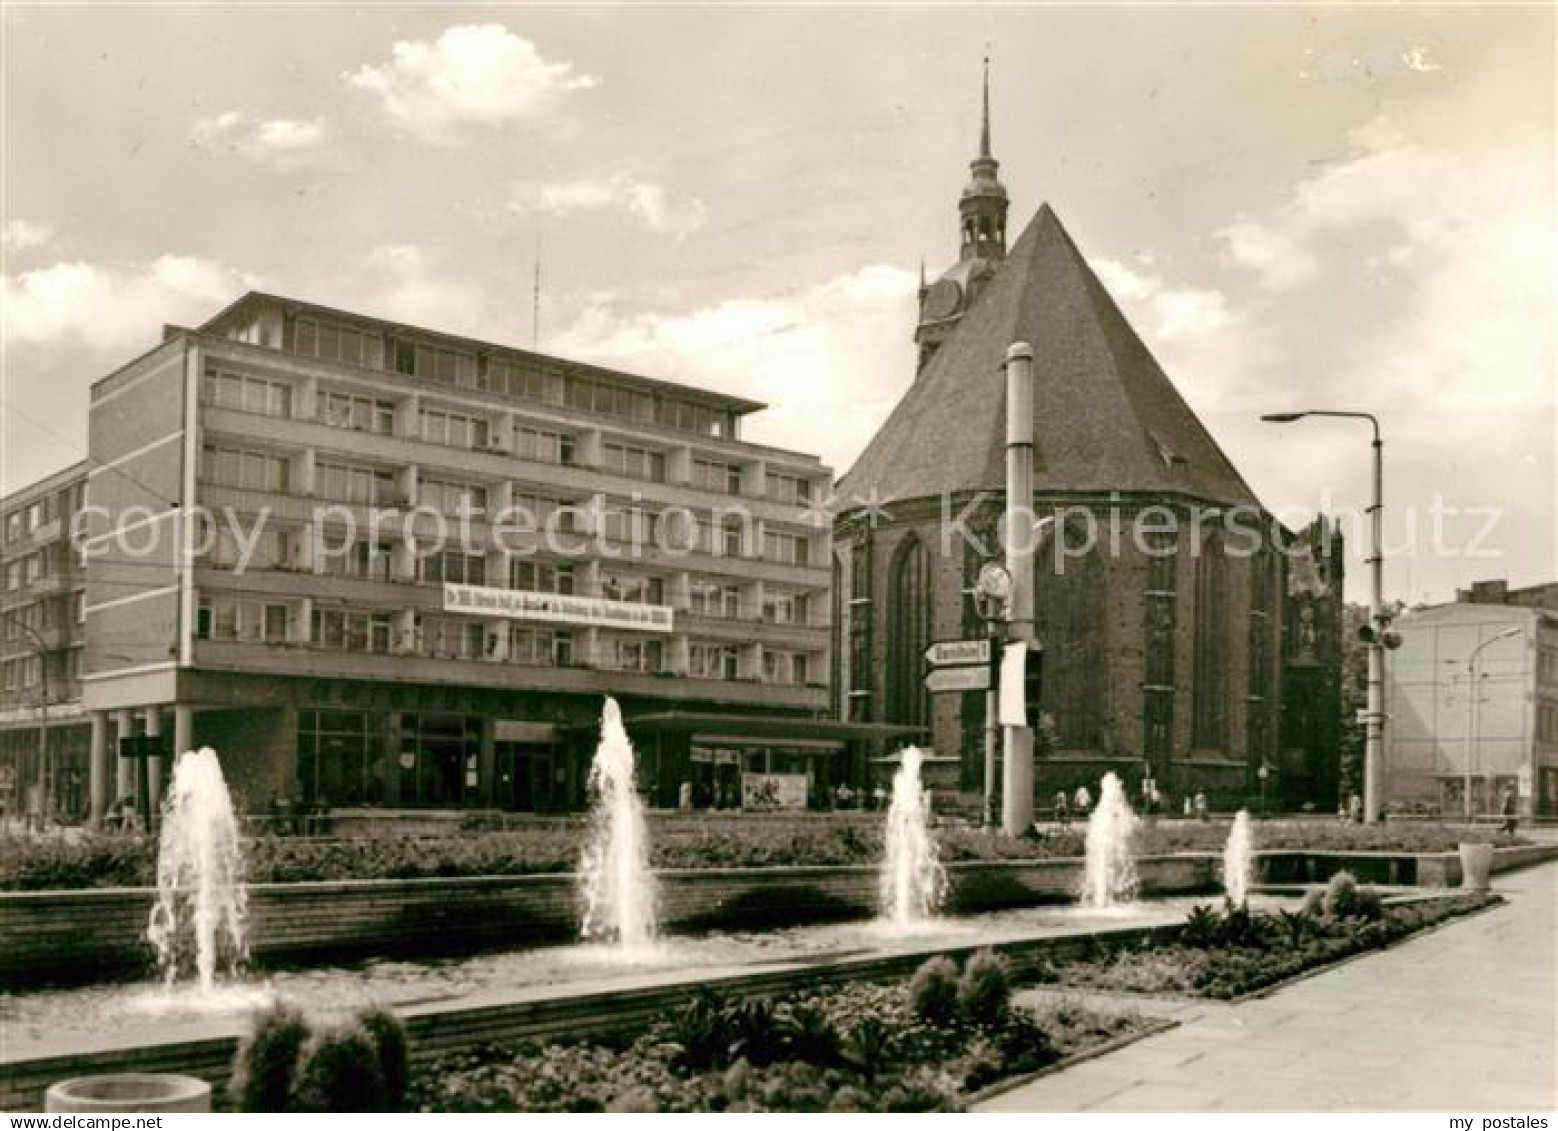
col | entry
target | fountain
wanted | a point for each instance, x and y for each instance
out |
(1109, 877)
(913, 881)
(617, 885)
(1239, 860)
(200, 870)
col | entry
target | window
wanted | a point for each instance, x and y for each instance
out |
(712, 476)
(453, 429)
(784, 608)
(543, 445)
(908, 633)
(1159, 621)
(711, 599)
(362, 486)
(13, 526)
(268, 549)
(450, 638)
(788, 488)
(246, 393)
(627, 654)
(367, 560)
(433, 363)
(447, 496)
(332, 341)
(454, 567)
(247, 469)
(712, 661)
(13, 576)
(542, 647)
(783, 667)
(220, 618)
(1070, 616)
(517, 379)
(357, 412)
(529, 509)
(688, 417)
(789, 549)
(633, 462)
(1209, 702)
(635, 590)
(34, 516)
(539, 577)
(352, 630)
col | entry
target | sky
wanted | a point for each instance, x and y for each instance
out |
(1298, 206)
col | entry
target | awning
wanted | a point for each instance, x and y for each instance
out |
(781, 729)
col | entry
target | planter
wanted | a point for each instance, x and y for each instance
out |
(129, 1091)
(1476, 866)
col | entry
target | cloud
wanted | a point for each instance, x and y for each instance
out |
(1162, 311)
(831, 359)
(114, 307)
(21, 235)
(650, 204)
(1417, 59)
(472, 74)
(283, 144)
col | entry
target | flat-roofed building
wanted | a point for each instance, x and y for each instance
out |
(42, 591)
(378, 565)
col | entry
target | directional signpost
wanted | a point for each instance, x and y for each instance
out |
(958, 666)
(966, 678)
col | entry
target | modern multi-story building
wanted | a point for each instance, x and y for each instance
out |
(41, 637)
(377, 565)
(1472, 695)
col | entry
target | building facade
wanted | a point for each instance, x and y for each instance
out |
(380, 566)
(1163, 598)
(41, 642)
(1492, 723)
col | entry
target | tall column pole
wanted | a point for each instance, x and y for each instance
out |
(1017, 769)
(154, 765)
(98, 769)
(124, 727)
(1374, 732)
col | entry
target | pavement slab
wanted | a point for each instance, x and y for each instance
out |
(1462, 1017)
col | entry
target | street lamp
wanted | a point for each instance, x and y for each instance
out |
(1374, 634)
(1263, 773)
(1473, 696)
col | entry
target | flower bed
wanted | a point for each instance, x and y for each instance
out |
(113, 861)
(922, 1045)
(1230, 953)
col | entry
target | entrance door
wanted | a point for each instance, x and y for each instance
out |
(525, 776)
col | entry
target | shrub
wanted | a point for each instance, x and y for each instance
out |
(338, 1071)
(700, 1033)
(933, 991)
(1344, 899)
(869, 1045)
(1202, 928)
(266, 1059)
(985, 990)
(809, 1036)
(388, 1035)
(754, 1032)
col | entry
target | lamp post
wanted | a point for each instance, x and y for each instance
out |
(1375, 634)
(1263, 773)
(1473, 697)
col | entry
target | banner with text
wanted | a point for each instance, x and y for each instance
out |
(556, 608)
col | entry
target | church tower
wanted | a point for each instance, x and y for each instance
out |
(981, 250)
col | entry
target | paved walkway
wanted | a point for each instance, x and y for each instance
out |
(1463, 1019)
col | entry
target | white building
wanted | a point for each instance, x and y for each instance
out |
(1440, 736)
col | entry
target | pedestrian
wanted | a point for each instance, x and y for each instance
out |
(1355, 809)
(1062, 810)
(1510, 811)
(1082, 802)
(1202, 811)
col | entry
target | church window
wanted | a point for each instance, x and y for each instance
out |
(1209, 692)
(908, 633)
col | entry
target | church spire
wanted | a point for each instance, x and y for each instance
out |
(984, 122)
(983, 204)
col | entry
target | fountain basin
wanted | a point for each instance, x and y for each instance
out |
(128, 1091)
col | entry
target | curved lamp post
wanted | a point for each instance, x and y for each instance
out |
(1375, 634)
(1473, 696)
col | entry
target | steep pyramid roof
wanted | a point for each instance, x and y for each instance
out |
(1106, 416)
